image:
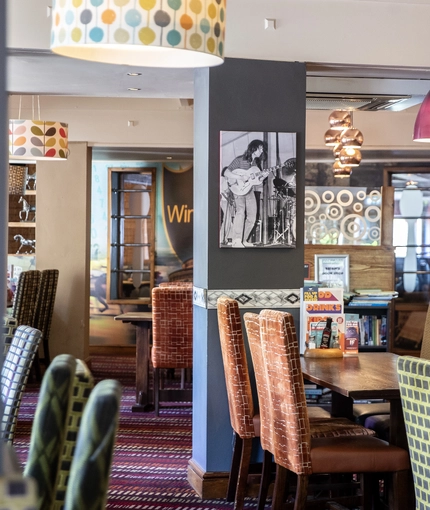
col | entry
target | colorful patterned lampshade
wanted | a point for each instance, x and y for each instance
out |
(153, 33)
(422, 122)
(38, 139)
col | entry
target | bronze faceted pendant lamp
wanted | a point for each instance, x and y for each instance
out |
(346, 142)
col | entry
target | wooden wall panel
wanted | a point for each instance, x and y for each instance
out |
(369, 266)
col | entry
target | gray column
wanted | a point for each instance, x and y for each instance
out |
(240, 95)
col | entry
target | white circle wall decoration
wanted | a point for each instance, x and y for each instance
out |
(318, 231)
(311, 219)
(353, 227)
(357, 207)
(312, 202)
(369, 210)
(328, 196)
(375, 233)
(334, 212)
(361, 195)
(322, 217)
(375, 195)
(348, 193)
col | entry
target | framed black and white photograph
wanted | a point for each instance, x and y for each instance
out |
(332, 270)
(257, 189)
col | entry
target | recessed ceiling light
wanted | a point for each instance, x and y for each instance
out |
(133, 88)
(134, 74)
(169, 157)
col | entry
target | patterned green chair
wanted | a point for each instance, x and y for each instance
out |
(84, 383)
(9, 327)
(44, 310)
(89, 474)
(49, 428)
(414, 383)
(14, 375)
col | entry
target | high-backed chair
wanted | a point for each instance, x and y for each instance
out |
(14, 375)
(24, 302)
(9, 327)
(285, 426)
(90, 470)
(49, 428)
(244, 418)
(82, 387)
(414, 383)
(44, 310)
(172, 338)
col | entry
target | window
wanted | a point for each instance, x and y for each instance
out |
(131, 235)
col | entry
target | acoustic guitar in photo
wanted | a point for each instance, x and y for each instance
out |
(248, 178)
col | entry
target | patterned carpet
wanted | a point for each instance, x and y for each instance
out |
(149, 470)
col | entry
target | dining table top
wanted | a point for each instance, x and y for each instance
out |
(134, 317)
(367, 375)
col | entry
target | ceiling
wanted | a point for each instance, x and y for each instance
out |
(389, 60)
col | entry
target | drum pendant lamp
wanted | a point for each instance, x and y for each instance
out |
(151, 33)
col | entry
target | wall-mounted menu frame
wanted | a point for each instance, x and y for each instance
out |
(332, 271)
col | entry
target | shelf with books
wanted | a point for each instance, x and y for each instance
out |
(373, 324)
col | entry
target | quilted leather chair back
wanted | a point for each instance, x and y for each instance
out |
(172, 327)
(237, 380)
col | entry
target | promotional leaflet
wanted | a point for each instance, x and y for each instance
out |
(317, 305)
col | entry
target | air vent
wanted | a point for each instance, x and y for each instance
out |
(365, 102)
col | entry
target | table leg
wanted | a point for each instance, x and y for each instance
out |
(341, 406)
(143, 400)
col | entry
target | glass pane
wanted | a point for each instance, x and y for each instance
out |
(342, 216)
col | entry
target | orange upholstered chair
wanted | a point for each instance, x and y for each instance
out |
(244, 418)
(172, 338)
(285, 426)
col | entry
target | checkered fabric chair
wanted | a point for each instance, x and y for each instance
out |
(83, 384)
(89, 474)
(49, 428)
(286, 430)
(14, 376)
(9, 327)
(172, 337)
(414, 383)
(44, 310)
(24, 302)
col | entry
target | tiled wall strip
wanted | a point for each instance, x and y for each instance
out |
(249, 298)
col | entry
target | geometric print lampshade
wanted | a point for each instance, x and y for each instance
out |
(154, 33)
(38, 139)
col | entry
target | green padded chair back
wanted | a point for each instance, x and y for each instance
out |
(9, 327)
(84, 383)
(414, 383)
(89, 474)
(49, 428)
(14, 376)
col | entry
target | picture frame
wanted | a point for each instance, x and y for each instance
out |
(257, 189)
(332, 270)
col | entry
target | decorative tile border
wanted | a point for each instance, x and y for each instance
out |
(249, 298)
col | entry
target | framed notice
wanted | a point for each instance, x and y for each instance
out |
(332, 271)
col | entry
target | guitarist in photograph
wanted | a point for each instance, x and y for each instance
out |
(243, 174)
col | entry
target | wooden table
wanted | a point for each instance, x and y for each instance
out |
(368, 375)
(143, 323)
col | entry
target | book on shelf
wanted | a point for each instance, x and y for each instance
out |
(368, 302)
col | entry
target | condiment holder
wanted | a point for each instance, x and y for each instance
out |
(323, 353)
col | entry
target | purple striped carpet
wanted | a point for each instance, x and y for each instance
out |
(149, 470)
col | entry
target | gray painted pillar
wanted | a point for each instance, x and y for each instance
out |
(240, 95)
